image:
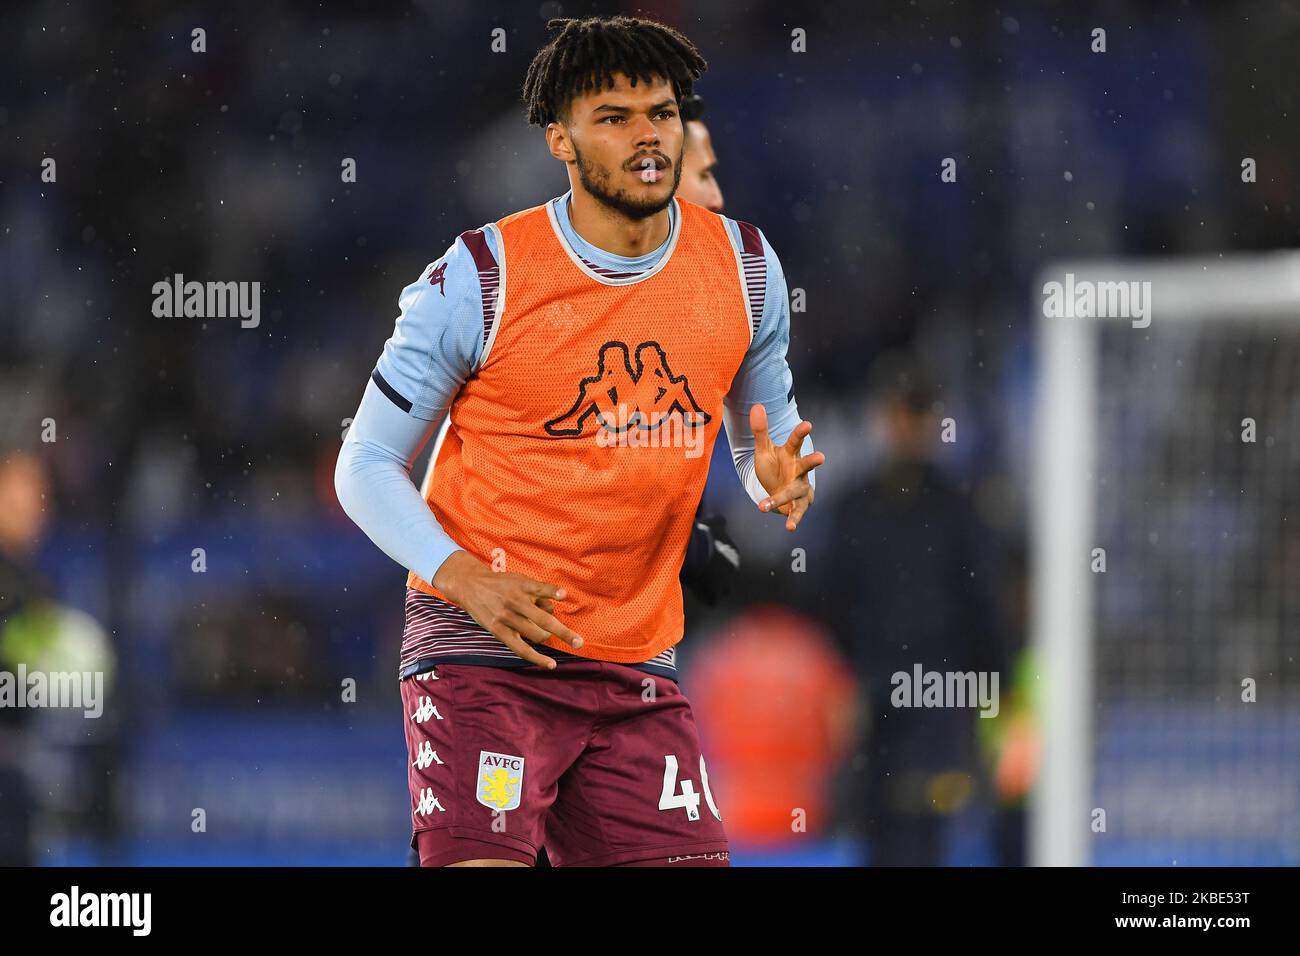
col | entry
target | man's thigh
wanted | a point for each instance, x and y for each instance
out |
(486, 747)
(639, 793)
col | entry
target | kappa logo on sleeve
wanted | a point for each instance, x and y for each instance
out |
(500, 780)
(438, 277)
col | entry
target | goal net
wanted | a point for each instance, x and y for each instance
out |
(1166, 562)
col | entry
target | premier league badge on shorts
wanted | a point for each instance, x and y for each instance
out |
(500, 780)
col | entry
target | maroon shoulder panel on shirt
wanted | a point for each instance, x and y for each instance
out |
(755, 268)
(749, 236)
(489, 274)
(477, 245)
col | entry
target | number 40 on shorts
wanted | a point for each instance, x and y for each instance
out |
(670, 799)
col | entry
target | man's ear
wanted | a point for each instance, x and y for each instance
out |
(557, 140)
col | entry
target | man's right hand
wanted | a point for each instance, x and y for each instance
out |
(513, 608)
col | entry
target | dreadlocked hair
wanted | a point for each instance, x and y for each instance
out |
(585, 54)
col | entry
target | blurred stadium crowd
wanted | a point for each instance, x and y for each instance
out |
(181, 434)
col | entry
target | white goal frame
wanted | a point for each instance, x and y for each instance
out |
(1248, 286)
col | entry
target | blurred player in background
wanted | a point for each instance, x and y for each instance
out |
(699, 163)
(916, 584)
(577, 361)
(711, 556)
(777, 702)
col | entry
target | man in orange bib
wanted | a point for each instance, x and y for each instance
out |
(576, 362)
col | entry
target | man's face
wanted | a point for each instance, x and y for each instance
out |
(699, 168)
(614, 131)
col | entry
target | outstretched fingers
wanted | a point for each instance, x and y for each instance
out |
(795, 442)
(807, 463)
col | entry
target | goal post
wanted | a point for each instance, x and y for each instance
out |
(1157, 524)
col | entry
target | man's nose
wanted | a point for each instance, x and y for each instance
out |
(646, 132)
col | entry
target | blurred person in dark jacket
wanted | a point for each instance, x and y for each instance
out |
(913, 586)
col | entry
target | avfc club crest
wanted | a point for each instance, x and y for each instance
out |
(621, 397)
(500, 780)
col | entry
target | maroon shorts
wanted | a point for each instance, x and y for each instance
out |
(599, 763)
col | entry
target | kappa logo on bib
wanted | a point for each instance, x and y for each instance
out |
(500, 780)
(619, 397)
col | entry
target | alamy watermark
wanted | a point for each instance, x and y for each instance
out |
(175, 298)
(635, 429)
(74, 689)
(922, 688)
(1086, 299)
(133, 911)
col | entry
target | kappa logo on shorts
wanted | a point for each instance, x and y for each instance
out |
(425, 710)
(500, 780)
(428, 803)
